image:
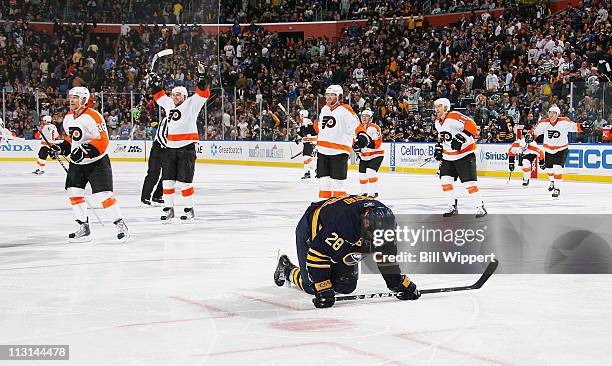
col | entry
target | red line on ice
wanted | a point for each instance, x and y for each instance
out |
(410, 337)
(205, 306)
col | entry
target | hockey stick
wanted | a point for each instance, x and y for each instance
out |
(296, 155)
(162, 53)
(55, 156)
(475, 286)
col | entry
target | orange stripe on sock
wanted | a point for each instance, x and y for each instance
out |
(307, 161)
(363, 181)
(109, 202)
(373, 180)
(325, 194)
(558, 176)
(339, 193)
(169, 191)
(550, 174)
(526, 169)
(40, 164)
(472, 189)
(447, 187)
(76, 200)
(187, 192)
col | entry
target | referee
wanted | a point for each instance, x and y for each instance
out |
(153, 178)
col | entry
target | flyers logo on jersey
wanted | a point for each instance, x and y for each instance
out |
(328, 122)
(175, 114)
(76, 134)
(446, 136)
(552, 134)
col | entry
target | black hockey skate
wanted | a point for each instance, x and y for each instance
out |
(481, 211)
(188, 216)
(525, 183)
(283, 268)
(122, 231)
(375, 195)
(157, 201)
(306, 175)
(81, 235)
(145, 202)
(556, 193)
(551, 186)
(168, 215)
(451, 210)
(38, 172)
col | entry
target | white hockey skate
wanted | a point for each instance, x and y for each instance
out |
(82, 235)
(122, 231)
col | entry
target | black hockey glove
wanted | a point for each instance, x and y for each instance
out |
(153, 83)
(82, 152)
(587, 126)
(438, 152)
(362, 140)
(406, 290)
(62, 148)
(542, 164)
(511, 163)
(458, 141)
(203, 81)
(325, 295)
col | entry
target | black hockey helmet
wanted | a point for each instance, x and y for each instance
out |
(375, 222)
(528, 136)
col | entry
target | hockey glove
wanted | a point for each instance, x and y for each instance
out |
(153, 83)
(511, 163)
(202, 76)
(84, 151)
(406, 290)
(62, 148)
(438, 152)
(542, 164)
(458, 141)
(361, 141)
(324, 299)
(587, 126)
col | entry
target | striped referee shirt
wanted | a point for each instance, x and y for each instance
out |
(161, 135)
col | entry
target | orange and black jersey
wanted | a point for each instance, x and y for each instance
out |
(335, 226)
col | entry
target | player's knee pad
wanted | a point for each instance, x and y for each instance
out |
(168, 184)
(76, 192)
(447, 179)
(325, 183)
(371, 173)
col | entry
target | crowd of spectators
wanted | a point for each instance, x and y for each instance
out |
(503, 72)
(245, 11)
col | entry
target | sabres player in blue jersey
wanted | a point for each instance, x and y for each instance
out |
(331, 238)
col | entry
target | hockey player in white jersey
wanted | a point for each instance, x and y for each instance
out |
(178, 135)
(7, 135)
(525, 150)
(456, 149)
(337, 129)
(370, 157)
(554, 131)
(309, 141)
(86, 143)
(50, 133)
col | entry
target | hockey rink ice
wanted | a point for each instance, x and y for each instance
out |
(203, 294)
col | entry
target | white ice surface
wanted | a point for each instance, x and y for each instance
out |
(203, 293)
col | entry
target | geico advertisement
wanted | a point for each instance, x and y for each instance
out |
(589, 159)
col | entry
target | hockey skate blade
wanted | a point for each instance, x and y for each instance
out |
(84, 239)
(187, 221)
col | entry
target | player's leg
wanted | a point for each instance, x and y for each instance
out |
(169, 174)
(41, 162)
(466, 169)
(323, 170)
(338, 173)
(558, 164)
(307, 155)
(153, 173)
(363, 177)
(373, 166)
(76, 180)
(448, 173)
(185, 173)
(526, 166)
(548, 159)
(101, 181)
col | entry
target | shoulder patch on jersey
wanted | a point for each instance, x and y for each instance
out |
(94, 114)
(348, 107)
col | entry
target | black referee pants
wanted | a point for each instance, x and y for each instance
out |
(153, 178)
